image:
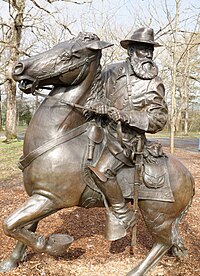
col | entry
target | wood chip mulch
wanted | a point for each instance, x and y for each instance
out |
(90, 254)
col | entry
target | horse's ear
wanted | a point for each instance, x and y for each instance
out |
(98, 45)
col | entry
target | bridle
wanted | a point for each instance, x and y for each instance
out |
(85, 63)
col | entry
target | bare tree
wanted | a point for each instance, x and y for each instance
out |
(187, 68)
(174, 78)
(12, 42)
(21, 20)
(1, 123)
(178, 58)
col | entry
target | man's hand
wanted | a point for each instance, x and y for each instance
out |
(113, 113)
(117, 115)
(100, 108)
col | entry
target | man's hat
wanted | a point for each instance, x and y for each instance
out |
(142, 35)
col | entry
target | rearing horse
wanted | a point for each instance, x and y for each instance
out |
(54, 149)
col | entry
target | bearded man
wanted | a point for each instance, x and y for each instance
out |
(137, 105)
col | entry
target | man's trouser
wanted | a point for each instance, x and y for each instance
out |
(104, 175)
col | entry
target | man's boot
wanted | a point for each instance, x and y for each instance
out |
(121, 217)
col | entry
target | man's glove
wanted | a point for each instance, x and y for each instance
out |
(113, 113)
(100, 108)
(97, 108)
(117, 115)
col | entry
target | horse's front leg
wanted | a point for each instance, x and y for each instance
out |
(16, 255)
(33, 210)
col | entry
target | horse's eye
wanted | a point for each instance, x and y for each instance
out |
(66, 56)
(76, 54)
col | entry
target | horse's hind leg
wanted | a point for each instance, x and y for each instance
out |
(162, 222)
(17, 224)
(166, 234)
(159, 224)
(16, 255)
(155, 254)
(162, 244)
(178, 249)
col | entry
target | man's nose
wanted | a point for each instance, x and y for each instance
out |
(149, 54)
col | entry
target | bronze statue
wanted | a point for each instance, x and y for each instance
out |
(60, 146)
(136, 96)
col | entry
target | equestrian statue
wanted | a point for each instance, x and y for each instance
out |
(86, 146)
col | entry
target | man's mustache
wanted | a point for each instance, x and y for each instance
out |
(144, 68)
(143, 61)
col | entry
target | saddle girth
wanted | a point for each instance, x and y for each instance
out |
(25, 161)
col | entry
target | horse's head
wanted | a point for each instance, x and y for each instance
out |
(68, 63)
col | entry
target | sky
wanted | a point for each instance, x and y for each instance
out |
(122, 17)
(122, 12)
(125, 12)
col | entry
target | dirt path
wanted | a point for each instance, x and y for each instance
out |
(91, 254)
(188, 144)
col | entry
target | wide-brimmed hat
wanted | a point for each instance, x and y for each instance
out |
(142, 35)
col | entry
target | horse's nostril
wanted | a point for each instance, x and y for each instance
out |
(19, 68)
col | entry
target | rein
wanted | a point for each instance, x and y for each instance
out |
(25, 161)
(63, 101)
(86, 61)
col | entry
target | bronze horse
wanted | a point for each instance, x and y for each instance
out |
(53, 174)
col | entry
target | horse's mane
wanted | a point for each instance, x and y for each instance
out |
(97, 94)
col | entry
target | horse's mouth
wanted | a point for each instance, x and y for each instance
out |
(25, 85)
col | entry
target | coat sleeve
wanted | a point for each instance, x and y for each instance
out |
(153, 117)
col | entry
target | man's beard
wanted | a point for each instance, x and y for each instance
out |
(144, 68)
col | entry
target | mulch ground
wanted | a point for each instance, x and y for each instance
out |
(90, 254)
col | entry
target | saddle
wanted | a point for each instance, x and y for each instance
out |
(154, 184)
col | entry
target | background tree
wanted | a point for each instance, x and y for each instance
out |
(177, 59)
(1, 122)
(24, 17)
(176, 28)
(12, 42)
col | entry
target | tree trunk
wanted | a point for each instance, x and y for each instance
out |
(1, 122)
(173, 97)
(14, 39)
(186, 121)
(186, 93)
(11, 111)
(178, 126)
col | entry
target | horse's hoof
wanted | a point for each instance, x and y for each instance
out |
(8, 265)
(180, 253)
(57, 244)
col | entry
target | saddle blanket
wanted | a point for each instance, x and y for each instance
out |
(155, 184)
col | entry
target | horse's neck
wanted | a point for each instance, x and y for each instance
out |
(54, 117)
(76, 95)
(71, 117)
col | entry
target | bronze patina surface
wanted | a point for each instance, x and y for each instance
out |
(61, 146)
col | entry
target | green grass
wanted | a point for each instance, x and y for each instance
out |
(166, 134)
(9, 155)
(20, 129)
